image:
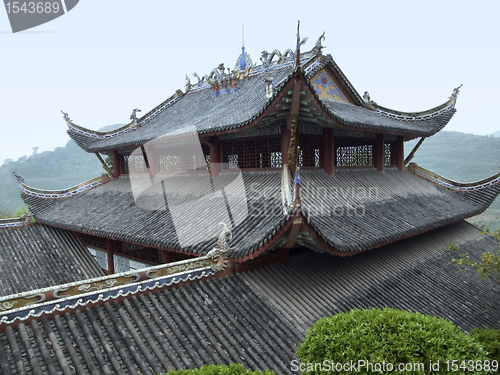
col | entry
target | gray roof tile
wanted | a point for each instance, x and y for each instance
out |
(257, 318)
(39, 256)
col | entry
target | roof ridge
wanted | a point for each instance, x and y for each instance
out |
(35, 303)
(12, 222)
(413, 116)
(63, 193)
(453, 185)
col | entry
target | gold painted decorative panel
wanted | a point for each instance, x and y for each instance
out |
(326, 87)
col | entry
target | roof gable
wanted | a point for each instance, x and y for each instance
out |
(325, 86)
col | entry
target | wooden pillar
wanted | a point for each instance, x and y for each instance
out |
(152, 159)
(168, 256)
(378, 153)
(110, 249)
(285, 141)
(215, 156)
(116, 164)
(327, 156)
(399, 154)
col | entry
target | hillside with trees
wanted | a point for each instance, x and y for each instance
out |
(464, 158)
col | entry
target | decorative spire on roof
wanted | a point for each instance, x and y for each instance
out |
(366, 97)
(19, 178)
(318, 47)
(188, 83)
(66, 116)
(133, 117)
(455, 92)
(269, 86)
(200, 81)
(299, 43)
(243, 63)
(221, 248)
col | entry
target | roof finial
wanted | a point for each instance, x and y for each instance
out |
(243, 63)
(366, 97)
(297, 48)
(455, 92)
(19, 178)
(133, 117)
(66, 116)
(299, 43)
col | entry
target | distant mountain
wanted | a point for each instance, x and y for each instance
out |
(496, 134)
(464, 158)
(458, 156)
(59, 169)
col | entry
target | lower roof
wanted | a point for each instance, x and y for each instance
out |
(358, 209)
(38, 256)
(258, 318)
(352, 211)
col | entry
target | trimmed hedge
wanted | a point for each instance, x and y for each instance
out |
(490, 339)
(233, 369)
(390, 336)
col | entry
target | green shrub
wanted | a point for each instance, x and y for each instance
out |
(388, 336)
(233, 369)
(490, 339)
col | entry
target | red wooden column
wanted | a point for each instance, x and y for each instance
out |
(110, 247)
(285, 141)
(378, 153)
(168, 256)
(116, 164)
(399, 154)
(215, 156)
(328, 155)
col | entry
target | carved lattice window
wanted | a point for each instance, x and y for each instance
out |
(93, 241)
(137, 163)
(174, 159)
(252, 153)
(389, 154)
(309, 150)
(354, 156)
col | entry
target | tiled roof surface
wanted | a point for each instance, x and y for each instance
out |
(110, 211)
(357, 209)
(354, 210)
(38, 256)
(208, 115)
(364, 118)
(258, 318)
(197, 109)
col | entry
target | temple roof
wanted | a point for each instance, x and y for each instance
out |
(249, 105)
(110, 210)
(256, 318)
(352, 211)
(363, 209)
(366, 118)
(37, 256)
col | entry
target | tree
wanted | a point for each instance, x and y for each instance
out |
(488, 267)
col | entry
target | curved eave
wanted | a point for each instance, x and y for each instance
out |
(463, 187)
(64, 193)
(410, 208)
(411, 116)
(350, 116)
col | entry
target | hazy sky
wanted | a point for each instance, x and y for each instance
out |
(106, 57)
